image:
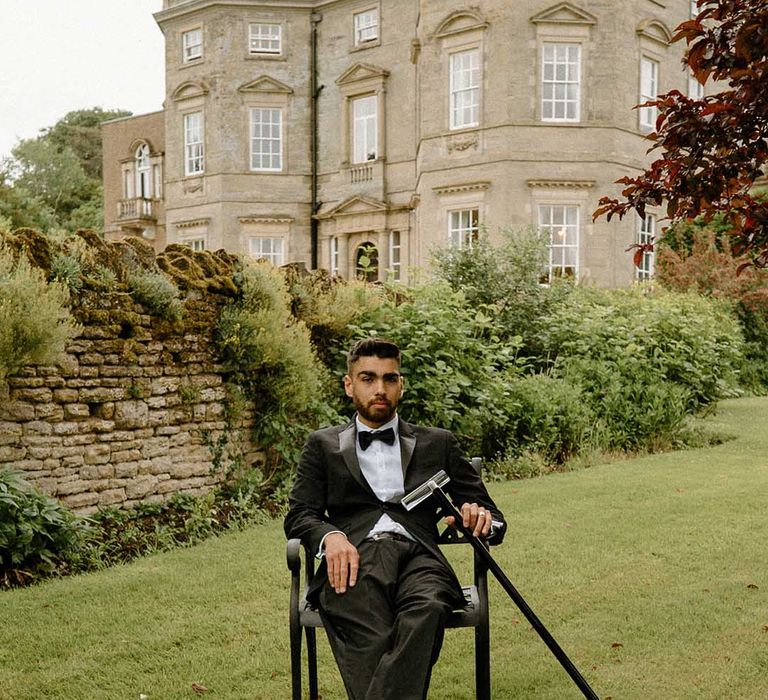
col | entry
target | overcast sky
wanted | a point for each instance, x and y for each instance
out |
(57, 56)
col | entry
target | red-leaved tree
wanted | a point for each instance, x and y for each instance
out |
(711, 151)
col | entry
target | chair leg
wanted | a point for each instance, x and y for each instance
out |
(482, 662)
(295, 662)
(312, 663)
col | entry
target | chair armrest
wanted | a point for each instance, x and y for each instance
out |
(293, 554)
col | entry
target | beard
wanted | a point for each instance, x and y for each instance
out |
(376, 414)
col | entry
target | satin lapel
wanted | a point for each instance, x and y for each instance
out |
(407, 445)
(349, 454)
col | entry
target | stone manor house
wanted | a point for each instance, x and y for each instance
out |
(319, 131)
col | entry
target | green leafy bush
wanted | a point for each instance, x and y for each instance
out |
(550, 417)
(644, 359)
(269, 353)
(157, 293)
(35, 322)
(37, 534)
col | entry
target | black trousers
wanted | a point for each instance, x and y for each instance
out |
(387, 630)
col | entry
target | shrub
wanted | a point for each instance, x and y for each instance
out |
(35, 322)
(551, 418)
(157, 293)
(37, 534)
(644, 359)
(696, 258)
(269, 354)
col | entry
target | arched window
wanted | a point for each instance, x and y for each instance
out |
(143, 172)
(367, 262)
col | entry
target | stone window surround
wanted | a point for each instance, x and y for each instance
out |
(128, 170)
(267, 93)
(266, 226)
(185, 31)
(462, 30)
(552, 29)
(653, 42)
(361, 46)
(362, 80)
(191, 229)
(265, 55)
(463, 196)
(563, 193)
(645, 232)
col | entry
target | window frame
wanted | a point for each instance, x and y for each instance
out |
(195, 243)
(358, 30)
(253, 140)
(461, 236)
(190, 157)
(277, 258)
(143, 172)
(260, 50)
(370, 129)
(186, 58)
(395, 249)
(552, 246)
(333, 255)
(647, 115)
(555, 101)
(473, 89)
(645, 232)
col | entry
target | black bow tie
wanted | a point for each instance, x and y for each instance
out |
(366, 437)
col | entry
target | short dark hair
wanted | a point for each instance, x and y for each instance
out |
(372, 347)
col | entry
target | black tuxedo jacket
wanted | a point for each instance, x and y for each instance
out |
(330, 492)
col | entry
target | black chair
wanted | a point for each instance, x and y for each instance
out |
(303, 616)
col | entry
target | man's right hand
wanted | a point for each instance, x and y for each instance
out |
(342, 560)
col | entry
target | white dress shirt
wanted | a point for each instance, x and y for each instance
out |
(382, 467)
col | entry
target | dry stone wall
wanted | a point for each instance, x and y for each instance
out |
(137, 409)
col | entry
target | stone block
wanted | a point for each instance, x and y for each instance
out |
(41, 395)
(17, 411)
(161, 465)
(37, 427)
(11, 453)
(80, 501)
(40, 452)
(66, 428)
(111, 497)
(49, 411)
(68, 488)
(101, 394)
(155, 447)
(141, 487)
(10, 433)
(124, 470)
(131, 414)
(164, 385)
(73, 461)
(185, 470)
(97, 454)
(73, 411)
(65, 395)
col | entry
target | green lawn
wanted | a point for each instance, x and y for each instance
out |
(650, 573)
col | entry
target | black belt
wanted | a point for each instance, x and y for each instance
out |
(378, 536)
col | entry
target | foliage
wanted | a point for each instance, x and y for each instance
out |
(551, 418)
(644, 359)
(35, 322)
(37, 534)
(54, 180)
(705, 264)
(713, 149)
(455, 364)
(157, 293)
(268, 353)
(507, 276)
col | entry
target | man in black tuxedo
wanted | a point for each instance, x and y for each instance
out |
(383, 588)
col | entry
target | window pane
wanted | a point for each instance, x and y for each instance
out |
(464, 89)
(266, 139)
(560, 224)
(463, 227)
(265, 38)
(366, 26)
(364, 129)
(561, 82)
(193, 143)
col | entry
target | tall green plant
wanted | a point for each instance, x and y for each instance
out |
(35, 322)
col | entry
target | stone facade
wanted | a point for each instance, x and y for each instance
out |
(431, 122)
(131, 413)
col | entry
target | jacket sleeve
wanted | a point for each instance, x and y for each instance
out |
(306, 518)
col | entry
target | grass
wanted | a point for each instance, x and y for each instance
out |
(650, 573)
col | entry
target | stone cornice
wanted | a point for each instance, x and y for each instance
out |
(464, 187)
(561, 184)
(255, 219)
(191, 223)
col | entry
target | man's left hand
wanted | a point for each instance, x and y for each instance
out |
(475, 517)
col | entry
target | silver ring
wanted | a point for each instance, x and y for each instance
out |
(481, 512)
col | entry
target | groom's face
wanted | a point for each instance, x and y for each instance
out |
(375, 386)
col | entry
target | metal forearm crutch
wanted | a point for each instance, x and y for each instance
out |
(434, 487)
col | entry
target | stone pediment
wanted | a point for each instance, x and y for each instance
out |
(655, 30)
(265, 84)
(189, 89)
(361, 71)
(460, 21)
(357, 204)
(564, 13)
